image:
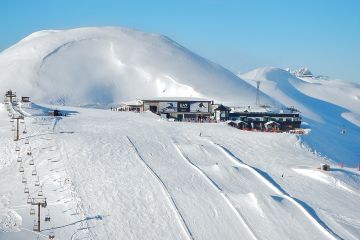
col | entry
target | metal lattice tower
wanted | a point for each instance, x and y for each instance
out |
(257, 93)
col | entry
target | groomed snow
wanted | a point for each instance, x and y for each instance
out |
(135, 176)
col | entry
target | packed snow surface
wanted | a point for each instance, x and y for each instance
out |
(134, 176)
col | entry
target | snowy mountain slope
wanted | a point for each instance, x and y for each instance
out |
(164, 181)
(100, 66)
(328, 107)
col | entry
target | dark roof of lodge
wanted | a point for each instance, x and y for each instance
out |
(263, 114)
(222, 108)
(175, 99)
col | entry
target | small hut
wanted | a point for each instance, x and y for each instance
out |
(222, 113)
(271, 126)
(325, 167)
(25, 99)
(55, 113)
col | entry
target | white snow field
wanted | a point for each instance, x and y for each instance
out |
(112, 64)
(134, 176)
(329, 106)
(122, 175)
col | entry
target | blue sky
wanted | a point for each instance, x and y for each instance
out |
(238, 34)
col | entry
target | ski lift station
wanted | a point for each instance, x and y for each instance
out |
(262, 118)
(179, 108)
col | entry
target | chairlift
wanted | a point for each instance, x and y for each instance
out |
(34, 172)
(17, 148)
(22, 121)
(11, 120)
(29, 150)
(21, 169)
(31, 162)
(23, 180)
(40, 193)
(28, 153)
(13, 128)
(37, 182)
(27, 141)
(25, 131)
(32, 211)
(19, 159)
(26, 189)
(47, 218)
(35, 228)
(28, 201)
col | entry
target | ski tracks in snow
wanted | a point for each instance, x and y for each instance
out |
(316, 221)
(166, 191)
(218, 188)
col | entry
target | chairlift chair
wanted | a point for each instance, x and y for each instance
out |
(37, 182)
(31, 162)
(40, 193)
(13, 128)
(11, 120)
(35, 228)
(25, 131)
(19, 159)
(17, 148)
(29, 150)
(34, 172)
(26, 189)
(21, 169)
(27, 141)
(23, 180)
(32, 211)
(22, 121)
(28, 201)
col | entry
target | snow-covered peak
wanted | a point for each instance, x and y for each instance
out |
(101, 66)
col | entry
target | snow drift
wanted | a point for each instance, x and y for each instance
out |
(101, 66)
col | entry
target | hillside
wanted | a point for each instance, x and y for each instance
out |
(124, 175)
(328, 106)
(103, 66)
(105, 180)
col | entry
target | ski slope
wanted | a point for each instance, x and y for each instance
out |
(328, 107)
(134, 176)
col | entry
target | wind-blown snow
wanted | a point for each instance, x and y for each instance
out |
(101, 66)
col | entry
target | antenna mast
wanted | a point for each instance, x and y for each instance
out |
(257, 93)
